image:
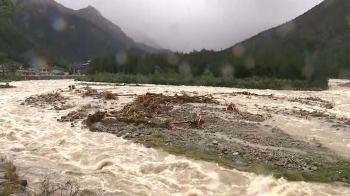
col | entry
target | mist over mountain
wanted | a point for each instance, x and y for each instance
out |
(182, 25)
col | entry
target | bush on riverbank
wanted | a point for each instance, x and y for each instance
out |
(10, 183)
(9, 180)
(208, 80)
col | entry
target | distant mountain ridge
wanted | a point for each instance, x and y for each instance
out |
(93, 15)
(61, 33)
(318, 40)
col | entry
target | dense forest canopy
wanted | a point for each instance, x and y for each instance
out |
(217, 64)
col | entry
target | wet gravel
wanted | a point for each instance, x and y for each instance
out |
(239, 138)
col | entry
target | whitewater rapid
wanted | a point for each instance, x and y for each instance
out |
(43, 148)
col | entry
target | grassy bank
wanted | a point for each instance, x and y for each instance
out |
(326, 173)
(174, 79)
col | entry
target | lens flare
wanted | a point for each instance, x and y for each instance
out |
(184, 68)
(285, 29)
(308, 71)
(227, 70)
(59, 23)
(238, 50)
(173, 59)
(121, 58)
(249, 62)
(35, 61)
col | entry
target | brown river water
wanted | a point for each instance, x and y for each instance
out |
(43, 148)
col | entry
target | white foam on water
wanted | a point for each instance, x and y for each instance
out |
(43, 148)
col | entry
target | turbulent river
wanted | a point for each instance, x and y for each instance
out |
(43, 148)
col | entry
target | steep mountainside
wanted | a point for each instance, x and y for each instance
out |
(12, 42)
(317, 40)
(93, 15)
(65, 34)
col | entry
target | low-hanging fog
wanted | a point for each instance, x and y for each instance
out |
(183, 25)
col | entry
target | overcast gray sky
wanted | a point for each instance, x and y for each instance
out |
(185, 25)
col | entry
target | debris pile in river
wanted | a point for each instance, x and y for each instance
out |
(153, 110)
(232, 107)
(94, 118)
(90, 92)
(185, 98)
(73, 116)
(145, 107)
(315, 113)
(71, 87)
(246, 115)
(52, 98)
(46, 98)
(151, 103)
(314, 101)
(108, 95)
(247, 93)
(328, 117)
(63, 189)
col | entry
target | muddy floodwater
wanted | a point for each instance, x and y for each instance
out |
(43, 148)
